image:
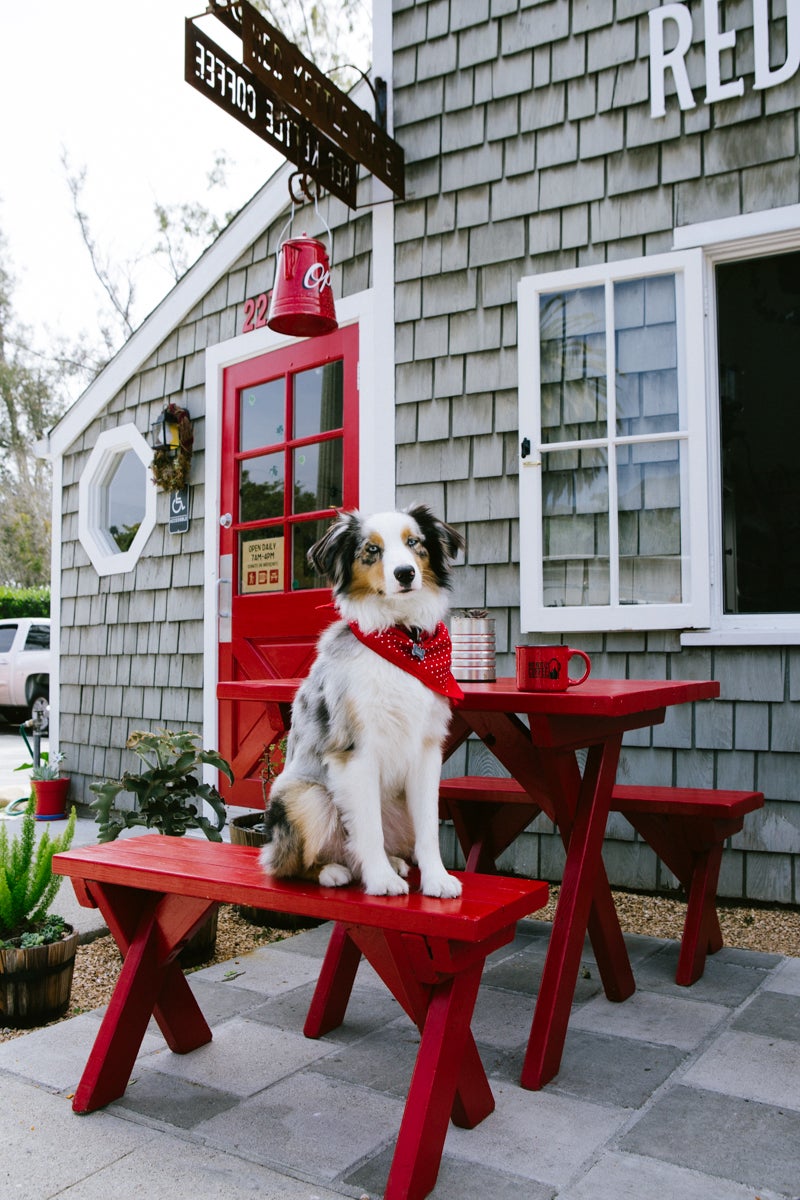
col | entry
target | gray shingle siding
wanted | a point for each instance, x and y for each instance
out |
(574, 170)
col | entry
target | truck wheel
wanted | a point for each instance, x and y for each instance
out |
(40, 710)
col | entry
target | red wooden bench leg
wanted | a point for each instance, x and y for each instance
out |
(701, 932)
(335, 983)
(438, 1071)
(146, 928)
(117, 1044)
(578, 887)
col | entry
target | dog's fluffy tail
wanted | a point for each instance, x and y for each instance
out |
(303, 832)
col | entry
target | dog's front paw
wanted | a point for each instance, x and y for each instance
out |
(400, 865)
(387, 884)
(441, 885)
(334, 875)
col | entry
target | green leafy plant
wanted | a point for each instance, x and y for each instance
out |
(47, 769)
(168, 790)
(27, 884)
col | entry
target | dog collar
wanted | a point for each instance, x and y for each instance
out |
(427, 656)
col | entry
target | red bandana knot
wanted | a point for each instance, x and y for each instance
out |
(425, 655)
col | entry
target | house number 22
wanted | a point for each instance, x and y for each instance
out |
(255, 312)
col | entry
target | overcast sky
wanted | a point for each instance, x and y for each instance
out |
(104, 80)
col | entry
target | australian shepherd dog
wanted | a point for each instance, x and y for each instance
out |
(358, 797)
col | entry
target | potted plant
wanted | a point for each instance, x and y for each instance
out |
(169, 797)
(37, 948)
(50, 787)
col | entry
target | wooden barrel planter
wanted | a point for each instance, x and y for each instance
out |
(202, 944)
(249, 831)
(36, 983)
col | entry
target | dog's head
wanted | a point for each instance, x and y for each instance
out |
(389, 568)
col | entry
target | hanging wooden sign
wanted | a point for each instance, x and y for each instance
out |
(239, 93)
(279, 64)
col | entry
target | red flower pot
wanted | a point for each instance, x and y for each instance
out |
(51, 798)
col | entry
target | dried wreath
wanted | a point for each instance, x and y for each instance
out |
(170, 468)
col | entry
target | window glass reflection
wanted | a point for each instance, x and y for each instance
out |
(261, 487)
(124, 496)
(318, 400)
(262, 415)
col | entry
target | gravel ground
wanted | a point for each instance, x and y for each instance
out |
(765, 928)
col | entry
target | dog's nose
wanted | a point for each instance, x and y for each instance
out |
(404, 575)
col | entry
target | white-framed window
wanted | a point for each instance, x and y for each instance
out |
(706, 540)
(613, 476)
(116, 500)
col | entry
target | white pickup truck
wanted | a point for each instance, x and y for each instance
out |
(25, 669)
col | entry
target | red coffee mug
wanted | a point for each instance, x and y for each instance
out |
(546, 668)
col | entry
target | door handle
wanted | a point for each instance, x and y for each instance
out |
(222, 615)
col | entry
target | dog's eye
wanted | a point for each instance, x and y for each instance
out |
(371, 548)
(412, 541)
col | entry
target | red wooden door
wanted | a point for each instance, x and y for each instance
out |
(289, 460)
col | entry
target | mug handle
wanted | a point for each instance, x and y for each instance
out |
(585, 675)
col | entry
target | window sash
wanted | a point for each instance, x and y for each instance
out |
(538, 613)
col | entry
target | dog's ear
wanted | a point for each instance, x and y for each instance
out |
(333, 555)
(442, 541)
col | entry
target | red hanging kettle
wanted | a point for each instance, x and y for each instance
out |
(302, 300)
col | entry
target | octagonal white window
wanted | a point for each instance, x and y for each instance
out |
(116, 500)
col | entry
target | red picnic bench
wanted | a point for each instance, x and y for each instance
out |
(154, 892)
(686, 827)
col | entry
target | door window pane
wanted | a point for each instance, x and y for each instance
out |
(262, 415)
(758, 307)
(318, 400)
(304, 535)
(261, 487)
(318, 476)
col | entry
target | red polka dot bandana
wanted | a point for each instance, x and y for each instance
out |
(424, 655)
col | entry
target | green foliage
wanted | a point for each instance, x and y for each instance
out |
(169, 793)
(24, 602)
(27, 883)
(52, 929)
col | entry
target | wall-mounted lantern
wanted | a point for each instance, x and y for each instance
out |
(172, 437)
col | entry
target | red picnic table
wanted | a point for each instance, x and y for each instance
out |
(539, 752)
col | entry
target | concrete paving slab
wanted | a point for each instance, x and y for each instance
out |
(621, 1072)
(502, 1018)
(723, 1136)
(309, 1123)
(541, 1136)
(722, 982)
(172, 1101)
(383, 1061)
(629, 1177)
(239, 1059)
(164, 1167)
(670, 1020)
(772, 1015)
(42, 1057)
(455, 1182)
(267, 975)
(522, 972)
(368, 1010)
(785, 978)
(44, 1153)
(753, 1067)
